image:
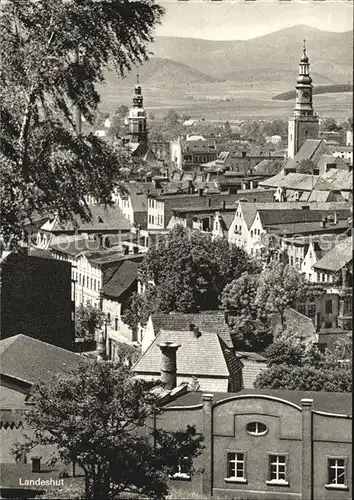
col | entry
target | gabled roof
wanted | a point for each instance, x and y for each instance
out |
(208, 321)
(33, 361)
(102, 219)
(271, 217)
(121, 280)
(202, 357)
(337, 257)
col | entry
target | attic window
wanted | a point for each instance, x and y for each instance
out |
(256, 428)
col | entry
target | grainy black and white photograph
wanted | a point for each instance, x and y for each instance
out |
(176, 249)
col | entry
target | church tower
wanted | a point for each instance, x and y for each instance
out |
(303, 123)
(137, 118)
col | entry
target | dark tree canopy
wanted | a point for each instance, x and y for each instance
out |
(187, 273)
(53, 57)
(99, 417)
(305, 368)
(248, 320)
(88, 319)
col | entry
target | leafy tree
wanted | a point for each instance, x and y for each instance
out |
(121, 111)
(249, 321)
(330, 125)
(171, 118)
(115, 127)
(281, 286)
(297, 367)
(227, 126)
(98, 416)
(88, 319)
(53, 54)
(186, 274)
(306, 166)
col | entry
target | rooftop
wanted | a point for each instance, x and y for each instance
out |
(204, 356)
(331, 402)
(208, 321)
(338, 257)
(33, 361)
(102, 219)
(122, 279)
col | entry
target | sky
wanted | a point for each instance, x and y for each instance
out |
(240, 20)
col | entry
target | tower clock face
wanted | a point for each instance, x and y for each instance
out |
(306, 95)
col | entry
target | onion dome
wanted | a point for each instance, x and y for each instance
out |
(304, 58)
(304, 79)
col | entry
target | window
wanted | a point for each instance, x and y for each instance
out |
(236, 467)
(256, 428)
(318, 276)
(311, 310)
(328, 307)
(278, 470)
(337, 472)
(302, 309)
(182, 471)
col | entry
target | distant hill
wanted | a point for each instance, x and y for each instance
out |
(331, 54)
(162, 72)
(322, 89)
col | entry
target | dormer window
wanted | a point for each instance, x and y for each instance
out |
(100, 220)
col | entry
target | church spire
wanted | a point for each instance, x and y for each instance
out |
(137, 116)
(304, 123)
(303, 106)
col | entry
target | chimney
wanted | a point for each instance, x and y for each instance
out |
(196, 332)
(169, 364)
(36, 464)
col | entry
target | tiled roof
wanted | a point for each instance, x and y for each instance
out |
(202, 356)
(339, 180)
(251, 369)
(122, 279)
(271, 217)
(332, 402)
(296, 324)
(74, 248)
(34, 361)
(111, 257)
(270, 166)
(300, 182)
(208, 321)
(102, 218)
(338, 257)
(308, 227)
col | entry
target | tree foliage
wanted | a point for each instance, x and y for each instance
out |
(282, 286)
(88, 319)
(295, 366)
(187, 273)
(248, 320)
(98, 416)
(53, 54)
(306, 166)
